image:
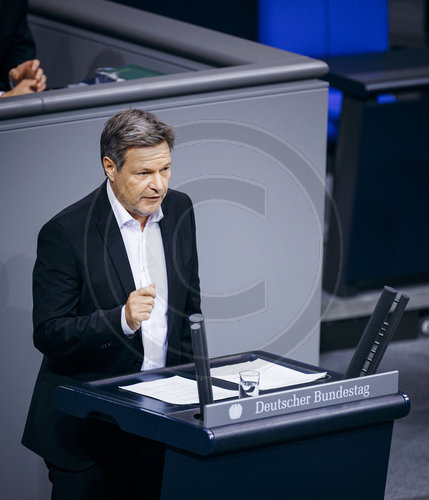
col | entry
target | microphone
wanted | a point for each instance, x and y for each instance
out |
(201, 359)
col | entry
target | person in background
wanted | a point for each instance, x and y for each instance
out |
(20, 72)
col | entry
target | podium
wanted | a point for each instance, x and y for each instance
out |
(337, 451)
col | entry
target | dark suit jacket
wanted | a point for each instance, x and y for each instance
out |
(16, 42)
(81, 279)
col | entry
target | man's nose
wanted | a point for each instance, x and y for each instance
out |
(156, 182)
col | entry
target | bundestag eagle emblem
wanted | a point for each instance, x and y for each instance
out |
(235, 411)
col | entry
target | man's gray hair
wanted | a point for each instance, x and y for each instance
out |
(132, 128)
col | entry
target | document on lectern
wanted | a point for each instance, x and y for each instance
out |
(176, 390)
(272, 375)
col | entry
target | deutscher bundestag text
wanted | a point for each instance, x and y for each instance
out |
(318, 396)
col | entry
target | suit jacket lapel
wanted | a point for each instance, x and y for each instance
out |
(114, 248)
(167, 230)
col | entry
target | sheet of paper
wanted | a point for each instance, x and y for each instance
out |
(272, 375)
(176, 390)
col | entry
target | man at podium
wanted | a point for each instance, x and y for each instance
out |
(115, 279)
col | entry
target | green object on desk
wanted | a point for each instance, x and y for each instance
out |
(132, 71)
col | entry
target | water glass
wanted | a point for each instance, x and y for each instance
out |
(249, 384)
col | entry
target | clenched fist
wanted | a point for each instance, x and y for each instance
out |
(27, 78)
(29, 70)
(139, 306)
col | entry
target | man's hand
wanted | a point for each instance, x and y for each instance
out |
(139, 306)
(26, 86)
(29, 70)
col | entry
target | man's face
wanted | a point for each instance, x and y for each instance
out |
(142, 182)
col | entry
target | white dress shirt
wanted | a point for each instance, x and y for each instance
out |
(145, 252)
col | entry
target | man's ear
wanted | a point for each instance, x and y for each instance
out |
(109, 168)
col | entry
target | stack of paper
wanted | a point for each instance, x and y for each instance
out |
(176, 390)
(183, 391)
(272, 375)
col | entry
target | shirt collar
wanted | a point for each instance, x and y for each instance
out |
(123, 216)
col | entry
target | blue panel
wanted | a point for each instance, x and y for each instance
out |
(322, 28)
(335, 102)
(356, 27)
(296, 25)
(386, 98)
